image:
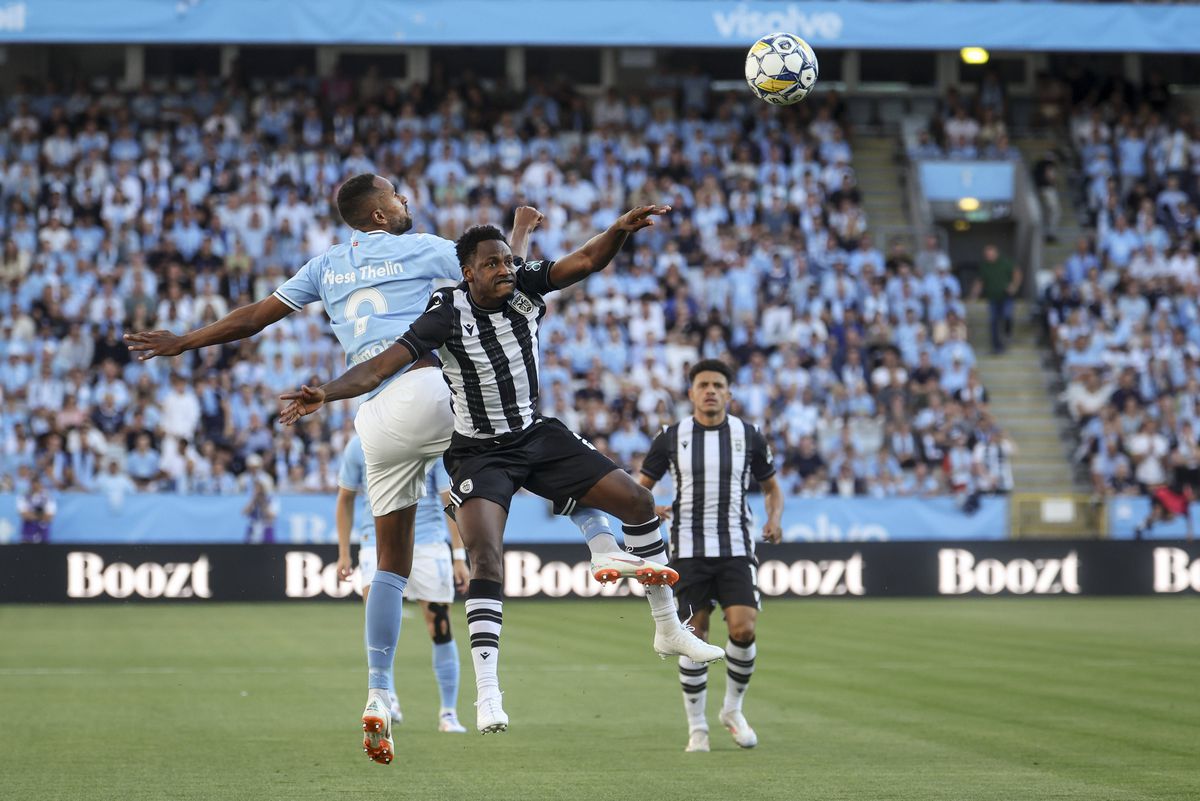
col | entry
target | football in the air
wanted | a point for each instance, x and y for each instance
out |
(781, 68)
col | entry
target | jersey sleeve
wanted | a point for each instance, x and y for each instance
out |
(350, 476)
(441, 479)
(762, 460)
(431, 330)
(302, 288)
(658, 458)
(533, 278)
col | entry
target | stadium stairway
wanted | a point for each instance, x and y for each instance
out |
(1021, 397)
(880, 177)
(1032, 149)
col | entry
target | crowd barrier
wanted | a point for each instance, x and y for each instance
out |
(1094, 27)
(59, 573)
(165, 519)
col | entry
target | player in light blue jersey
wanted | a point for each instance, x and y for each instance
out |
(439, 566)
(372, 288)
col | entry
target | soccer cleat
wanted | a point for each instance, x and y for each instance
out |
(377, 732)
(394, 709)
(608, 567)
(681, 641)
(490, 716)
(735, 721)
(697, 740)
(448, 722)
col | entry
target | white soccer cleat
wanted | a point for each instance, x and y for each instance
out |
(377, 732)
(490, 716)
(608, 567)
(448, 722)
(697, 740)
(735, 721)
(394, 709)
(680, 641)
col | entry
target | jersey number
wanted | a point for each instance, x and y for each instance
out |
(369, 296)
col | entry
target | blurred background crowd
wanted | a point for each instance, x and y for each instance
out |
(166, 208)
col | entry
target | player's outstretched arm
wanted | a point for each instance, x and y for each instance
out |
(598, 251)
(525, 219)
(358, 380)
(238, 324)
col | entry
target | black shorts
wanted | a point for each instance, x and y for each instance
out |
(548, 459)
(705, 582)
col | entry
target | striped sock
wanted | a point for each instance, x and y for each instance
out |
(645, 540)
(693, 678)
(485, 614)
(739, 656)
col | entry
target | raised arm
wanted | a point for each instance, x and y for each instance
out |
(525, 219)
(358, 380)
(238, 324)
(596, 254)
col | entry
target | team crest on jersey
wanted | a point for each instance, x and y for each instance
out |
(737, 445)
(521, 302)
(466, 487)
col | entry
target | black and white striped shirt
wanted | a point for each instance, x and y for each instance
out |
(489, 356)
(711, 468)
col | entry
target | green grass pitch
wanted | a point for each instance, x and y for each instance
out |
(934, 699)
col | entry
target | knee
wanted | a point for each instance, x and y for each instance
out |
(487, 562)
(742, 634)
(640, 504)
(439, 623)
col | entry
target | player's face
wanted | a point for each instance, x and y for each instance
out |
(709, 393)
(393, 207)
(491, 275)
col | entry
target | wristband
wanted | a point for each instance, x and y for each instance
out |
(459, 554)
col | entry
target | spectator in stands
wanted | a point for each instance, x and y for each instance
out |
(999, 281)
(36, 508)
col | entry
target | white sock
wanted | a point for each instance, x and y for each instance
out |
(484, 618)
(662, 607)
(739, 660)
(693, 678)
(593, 524)
(644, 540)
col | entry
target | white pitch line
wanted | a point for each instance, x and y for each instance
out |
(169, 670)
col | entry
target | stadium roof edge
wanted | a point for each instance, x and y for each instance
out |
(1012, 26)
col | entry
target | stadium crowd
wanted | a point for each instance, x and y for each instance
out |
(1123, 311)
(167, 207)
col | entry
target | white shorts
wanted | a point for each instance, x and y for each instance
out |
(404, 429)
(432, 577)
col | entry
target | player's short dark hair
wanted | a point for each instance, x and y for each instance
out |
(355, 199)
(465, 247)
(710, 366)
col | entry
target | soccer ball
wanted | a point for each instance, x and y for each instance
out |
(781, 69)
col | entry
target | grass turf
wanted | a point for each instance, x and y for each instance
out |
(924, 700)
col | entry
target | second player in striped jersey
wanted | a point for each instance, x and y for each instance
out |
(711, 457)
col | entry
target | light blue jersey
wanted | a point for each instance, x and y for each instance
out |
(372, 287)
(353, 476)
(430, 525)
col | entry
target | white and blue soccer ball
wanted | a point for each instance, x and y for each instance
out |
(781, 69)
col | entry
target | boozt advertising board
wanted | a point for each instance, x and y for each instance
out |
(66, 574)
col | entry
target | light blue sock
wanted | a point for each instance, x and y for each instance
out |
(445, 667)
(593, 524)
(384, 606)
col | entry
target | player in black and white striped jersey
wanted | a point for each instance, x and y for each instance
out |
(485, 331)
(712, 456)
